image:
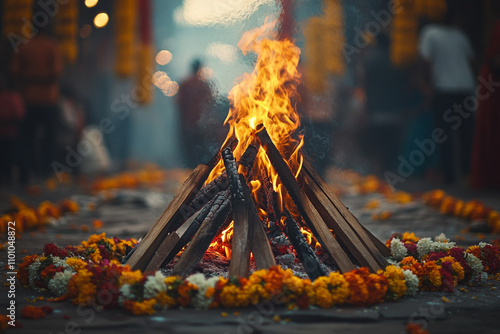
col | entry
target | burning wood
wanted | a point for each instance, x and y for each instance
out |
(204, 236)
(258, 176)
(304, 251)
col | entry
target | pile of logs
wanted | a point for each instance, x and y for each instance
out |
(198, 214)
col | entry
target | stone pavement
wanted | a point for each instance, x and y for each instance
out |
(133, 212)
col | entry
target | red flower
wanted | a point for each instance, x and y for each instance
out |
(51, 249)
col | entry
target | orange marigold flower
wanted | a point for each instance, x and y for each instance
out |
(140, 308)
(359, 293)
(97, 224)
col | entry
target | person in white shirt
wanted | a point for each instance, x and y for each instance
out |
(448, 59)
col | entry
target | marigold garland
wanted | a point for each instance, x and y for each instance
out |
(74, 273)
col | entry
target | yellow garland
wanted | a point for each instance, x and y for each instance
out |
(331, 290)
(13, 13)
(397, 283)
(66, 30)
(125, 20)
(324, 46)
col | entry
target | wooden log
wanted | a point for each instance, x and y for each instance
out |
(167, 251)
(377, 249)
(239, 264)
(259, 246)
(339, 226)
(166, 247)
(270, 197)
(304, 206)
(206, 194)
(247, 159)
(240, 243)
(304, 251)
(202, 239)
(232, 173)
(382, 248)
(221, 182)
(170, 219)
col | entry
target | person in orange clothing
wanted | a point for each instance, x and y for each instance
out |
(37, 68)
(485, 165)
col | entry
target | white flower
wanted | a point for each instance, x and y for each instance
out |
(411, 282)
(477, 268)
(483, 244)
(393, 262)
(34, 272)
(479, 279)
(200, 301)
(424, 246)
(398, 249)
(58, 262)
(442, 246)
(126, 293)
(441, 238)
(58, 285)
(154, 285)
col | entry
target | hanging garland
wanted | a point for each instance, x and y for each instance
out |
(125, 40)
(66, 30)
(404, 33)
(13, 13)
(324, 46)
(146, 53)
(432, 9)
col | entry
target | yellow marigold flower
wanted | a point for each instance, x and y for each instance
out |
(331, 290)
(140, 308)
(164, 300)
(210, 293)
(397, 283)
(433, 275)
(407, 236)
(359, 291)
(130, 277)
(93, 239)
(76, 263)
(96, 256)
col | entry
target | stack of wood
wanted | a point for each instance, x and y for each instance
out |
(198, 214)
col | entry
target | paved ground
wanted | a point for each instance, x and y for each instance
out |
(134, 212)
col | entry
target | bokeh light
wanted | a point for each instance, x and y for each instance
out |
(91, 3)
(161, 80)
(101, 20)
(163, 57)
(171, 88)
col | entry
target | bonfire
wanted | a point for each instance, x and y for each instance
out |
(259, 199)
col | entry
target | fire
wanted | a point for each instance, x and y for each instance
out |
(265, 97)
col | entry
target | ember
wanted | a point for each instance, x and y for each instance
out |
(261, 199)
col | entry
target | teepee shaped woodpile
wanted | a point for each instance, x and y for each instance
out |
(206, 212)
(257, 182)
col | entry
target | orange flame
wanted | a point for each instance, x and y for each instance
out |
(265, 97)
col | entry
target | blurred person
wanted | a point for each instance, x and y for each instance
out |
(37, 68)
(485, 167)
(447, 58)
(196, 102)
(383, 84)
(12, 113)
